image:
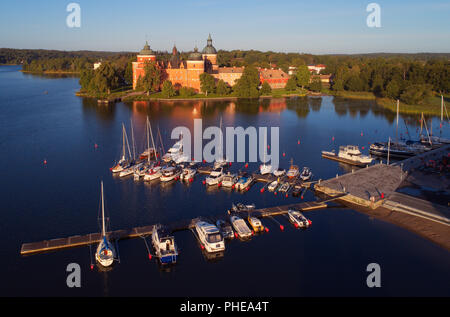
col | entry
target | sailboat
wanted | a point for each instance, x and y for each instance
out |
(220, 162)
(123, 162)
(434, 141)
(105, 253)
(265, 168)
(141, 170)
(132, 166)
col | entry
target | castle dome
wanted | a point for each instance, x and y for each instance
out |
(209, 48)
(195, 56)
(146, 50)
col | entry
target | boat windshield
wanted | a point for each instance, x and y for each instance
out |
(214, 238)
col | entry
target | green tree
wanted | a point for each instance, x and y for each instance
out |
(303, 76)
(167, 89)
(151, 81)
(416, 94)
(393, 89)
(266, 89)
(291, 84)
(354, 83)
(247, 85)
(186, 92)
(207, 83)
(222, 88)
(316, 84)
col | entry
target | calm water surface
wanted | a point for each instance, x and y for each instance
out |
(62, 198)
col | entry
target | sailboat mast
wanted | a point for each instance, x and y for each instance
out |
(148, 140)
(151, 135)
(103, 214)
(396, 132)
(123, 141)
(132, 140)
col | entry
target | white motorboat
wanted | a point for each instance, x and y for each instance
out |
(244, 182)
(272, 186)
(187, 174)
(284, 187)
(174, 152)
(279, 172)
(297, 218)
(240, 227)
(164, 244)
(169, 174)
(215, 177)
(306, 174)
(265, 169)
(153, 173)
(229, 180)
(220, 163)
(210, 237)
(349, 154)
(105, 253)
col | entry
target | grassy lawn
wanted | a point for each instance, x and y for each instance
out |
(430, 106)
(354, 94)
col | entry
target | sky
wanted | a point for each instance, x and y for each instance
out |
(316, 27)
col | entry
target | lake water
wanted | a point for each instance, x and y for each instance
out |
(61, 199)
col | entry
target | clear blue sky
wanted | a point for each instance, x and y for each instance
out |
(317, 27)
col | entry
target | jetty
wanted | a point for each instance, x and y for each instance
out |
(94, 238)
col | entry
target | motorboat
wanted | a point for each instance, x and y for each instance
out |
(241, 228)
(265, 169)
(240, 207)
(225, 229)
(256, 224)
(229, 180)
(187, 174)
(105, 253)
(215, 177)
(284, 187)
(244, 181)
(153, 173)
(293, 171)
(174, 152)
(210, 237)
(169, 174)
(272, 186)
(220, 163)
(164, 245)
(297, 218)
(349, 154)
(279, 172)
(306, 174)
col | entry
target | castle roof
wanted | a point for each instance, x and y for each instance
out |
(146, 50)
(195, 56)
(209, 48)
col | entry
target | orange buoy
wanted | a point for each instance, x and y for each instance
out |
(287, 195)
(204, 182)
(268, 147)
(267, 229)
(235, 234)
(284, 154)
(275, 193)
(361, 133)
(301, 197)
(332, 139)
(230, 164)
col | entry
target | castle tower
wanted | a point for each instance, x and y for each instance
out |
(145, 55)
(195, 67)
(209, 54)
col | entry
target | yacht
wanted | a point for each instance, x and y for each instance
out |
(169, 174)
(284, 187)
(229, 180)
(265, 169)
(240, 227)
(153, 173)
(272, 186)
(187, 174)
(348, 154)
(174, 152)
(256, 224)
(164, 244)
(297, 218)
(215, 177)
(130, 170)
(395, 150)
(210, 236)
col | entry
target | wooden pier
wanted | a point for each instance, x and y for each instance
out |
(94, 238)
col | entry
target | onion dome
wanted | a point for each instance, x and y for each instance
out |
(209, 48)
(195, 56)
(146, 50)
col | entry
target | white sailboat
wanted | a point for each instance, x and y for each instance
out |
(221, 161)
(265, 168)
(142, 170)
(105, 253)
(123, 163)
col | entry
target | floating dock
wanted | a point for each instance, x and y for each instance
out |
(94, 238)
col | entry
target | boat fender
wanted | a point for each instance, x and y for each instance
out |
(246, 165)
(262, 190)
(298, 142)
(45, 162)
(92, 266)
(235, 234)
(296, 225)
(275, 193)
(287, 195)
(301, 197)
(204, 182)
